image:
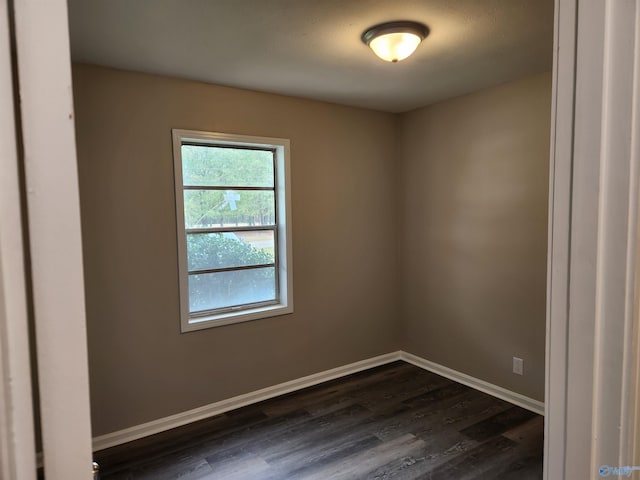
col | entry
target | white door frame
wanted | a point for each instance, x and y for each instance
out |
(592, 240)
(592, 234)
(17, 445)
(559, 236)
(53, 210)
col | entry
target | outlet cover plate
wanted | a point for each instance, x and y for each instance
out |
(518, 366)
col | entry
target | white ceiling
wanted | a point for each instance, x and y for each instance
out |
(312, 48)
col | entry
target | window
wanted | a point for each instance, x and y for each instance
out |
(233, 216)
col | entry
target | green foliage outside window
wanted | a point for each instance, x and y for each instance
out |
(221, 289)
(227, 167)
(215, 250)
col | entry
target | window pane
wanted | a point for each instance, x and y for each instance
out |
(218, 166)
(228, 208)
(227, 289)
(207, 251)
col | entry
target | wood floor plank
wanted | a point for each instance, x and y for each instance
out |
(476, 462)
(521, 468)
(395, 422)
(437, 451)
(174, 466)
(363, 463)
(300, 436)
(178, 439)
(528, 433)
(498, 423)
(313, 463)
(240, 467)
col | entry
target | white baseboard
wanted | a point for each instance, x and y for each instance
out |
(486, 387)
(156, 426)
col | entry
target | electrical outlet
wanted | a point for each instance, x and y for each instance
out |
(518, 366)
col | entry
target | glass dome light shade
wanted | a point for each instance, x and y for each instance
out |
(394, 47)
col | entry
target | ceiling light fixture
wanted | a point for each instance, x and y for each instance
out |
(395, 41)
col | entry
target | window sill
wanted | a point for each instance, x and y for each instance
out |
(230, 318)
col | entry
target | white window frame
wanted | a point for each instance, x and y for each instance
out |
(284, 304)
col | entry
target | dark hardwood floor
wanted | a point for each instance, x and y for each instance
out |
(393, 422)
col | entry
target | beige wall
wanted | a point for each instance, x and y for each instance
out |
(459, 189)
(345, 282)
(474, 184)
